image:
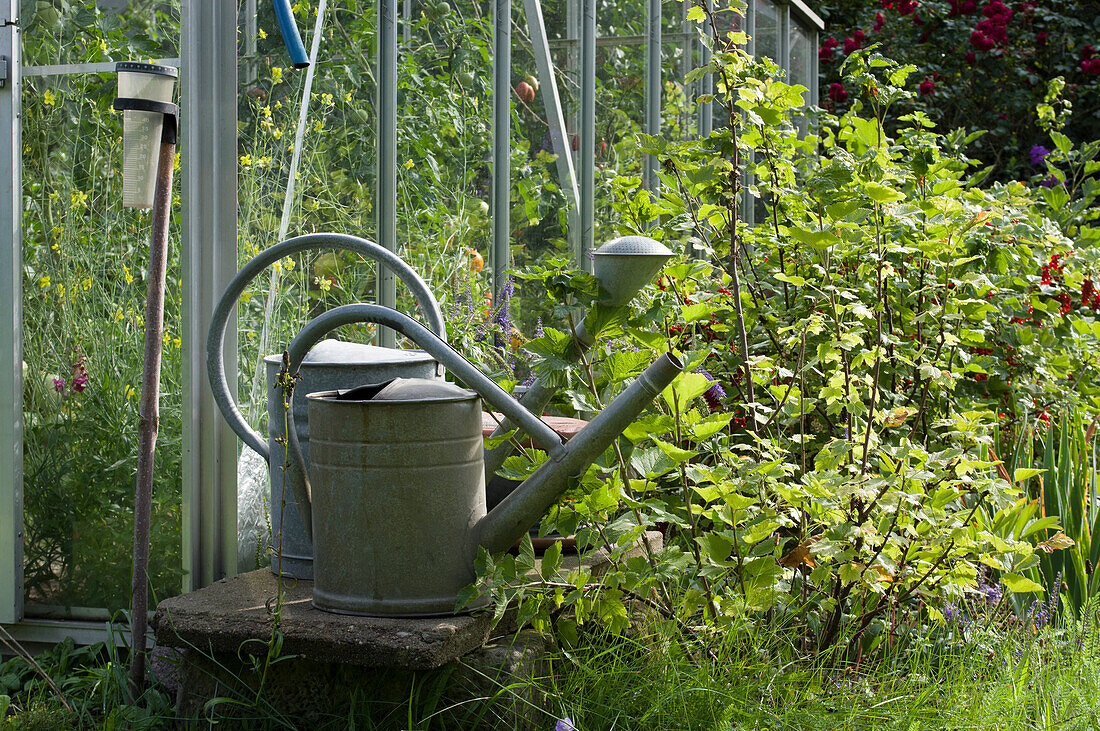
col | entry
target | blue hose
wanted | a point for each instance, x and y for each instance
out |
(291, 37)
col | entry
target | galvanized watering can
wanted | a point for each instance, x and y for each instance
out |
(396, 495)
(331, 365)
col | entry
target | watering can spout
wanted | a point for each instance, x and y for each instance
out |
(508, 521)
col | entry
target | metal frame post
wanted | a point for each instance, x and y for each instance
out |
(687, 30)
(559, 136)
(706, 84)
(209, 86)
(386, 202)
(502, 139)
(652, 88)
(11, 319)
(587, 131)
(748, 202)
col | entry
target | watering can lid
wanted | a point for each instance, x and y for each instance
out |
(339, 352)
(401, 389)
(422, 389)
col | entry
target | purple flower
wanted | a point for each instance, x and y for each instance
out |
(1038, 154)
(538, 328)
(59, 385)
(565, 724)
(715, 394)
(79, 384)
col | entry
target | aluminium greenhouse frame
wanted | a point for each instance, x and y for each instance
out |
(209, 248)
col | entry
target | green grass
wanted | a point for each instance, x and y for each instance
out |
(986, 677)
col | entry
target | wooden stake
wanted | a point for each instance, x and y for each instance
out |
(149, 411)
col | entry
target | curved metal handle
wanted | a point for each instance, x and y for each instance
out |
(288, 29)
(215, 366)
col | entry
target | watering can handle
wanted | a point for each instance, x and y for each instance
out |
(215, 365)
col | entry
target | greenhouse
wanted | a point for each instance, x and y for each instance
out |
(443, 356)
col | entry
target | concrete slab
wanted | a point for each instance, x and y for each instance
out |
(232, 615)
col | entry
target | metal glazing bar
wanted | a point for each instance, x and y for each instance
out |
(406, 27)
(748, 202)
(559, 138)
(104, 67)
(11, 322)
(785, 38)
(386, 202)
(687, 62)
(706, 83)
(614, 41)
(249, 37)
(652, 88)
(502, 141)
(814, 84)
(209, 85)
(587, 132)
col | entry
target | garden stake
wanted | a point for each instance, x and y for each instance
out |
(149, 408)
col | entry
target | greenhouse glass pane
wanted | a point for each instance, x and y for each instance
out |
(800, 67)
(798, 70)
(767, 30)
(85, 258)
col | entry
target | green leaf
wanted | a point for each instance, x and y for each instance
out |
(716, 547)
(686, 387)
(696, 14)
(882, 193)
(709, 426)
(673, 452)
(790, 279)
(1025, 473)
(702, 311)
(551, 560)
(1019, 584)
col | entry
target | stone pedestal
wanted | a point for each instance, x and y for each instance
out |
(329, 667)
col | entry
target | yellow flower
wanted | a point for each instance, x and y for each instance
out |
(276, 74)
(78, 198)
(277, 134)
(326, 99)
(177, 342)
(44, 281)
(49, 98)
(261, 33)
(319, 125)
(288, 263)
(176, 162)
(266, 112)
(55, 248)
(266, 123)
(409, 164)
(246, 161)
(323, 283)
(126, 275)
(86, 283)
(60, 289)
(128, 392)
(347, 98)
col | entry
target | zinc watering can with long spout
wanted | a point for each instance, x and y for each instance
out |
(330, 365)
(396, 494)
